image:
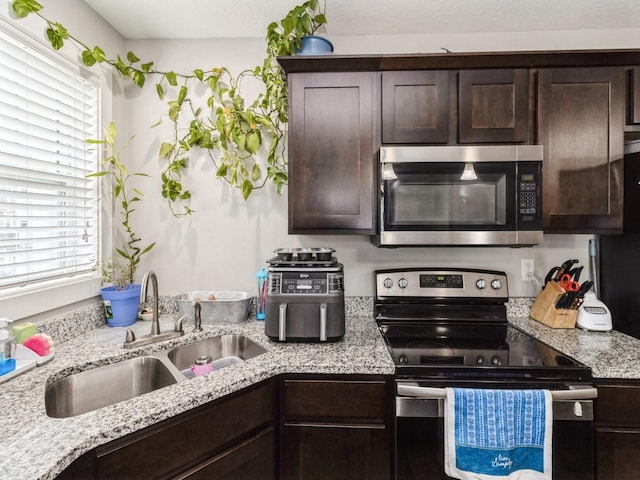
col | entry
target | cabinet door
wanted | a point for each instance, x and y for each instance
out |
(251, 460)
(332, 121)
(618, 454)
(415, 107)
(580, 125)
(493, 106)
(172, 446)
(337, 428)
(335, 452)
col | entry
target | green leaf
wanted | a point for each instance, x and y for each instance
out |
(247, 188)
(148, 248)
(199, 74)
(166, 149)
(183, 94)
(222, 170)
(88, 58)
(138, 78)
(25, 7)
(110, 134)
(255, 172)
(146, 67)
(55, 39)
(160, 91)
(101, 173)
(254, 142)
(99, 54)
(171, 78)
(132, 57)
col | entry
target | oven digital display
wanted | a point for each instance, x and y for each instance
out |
(441, 281)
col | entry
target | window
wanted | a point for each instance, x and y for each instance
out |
(48, 208)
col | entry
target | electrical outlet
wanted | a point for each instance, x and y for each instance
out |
(527, 268)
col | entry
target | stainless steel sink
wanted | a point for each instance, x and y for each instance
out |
(92, 389)
(224, 349)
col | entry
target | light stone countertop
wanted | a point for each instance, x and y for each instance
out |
(35, 446)
(610, 355)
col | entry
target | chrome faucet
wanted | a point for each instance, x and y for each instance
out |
(155, 319)
(156, 335)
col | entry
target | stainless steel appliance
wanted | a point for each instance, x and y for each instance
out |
(448, 328)
(305, 296)
(460, 195)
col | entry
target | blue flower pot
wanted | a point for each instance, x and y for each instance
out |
(314, 45)
(121, 306)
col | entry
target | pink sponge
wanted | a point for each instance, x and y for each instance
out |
(40, 343)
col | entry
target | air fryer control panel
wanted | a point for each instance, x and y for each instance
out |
(305, 282)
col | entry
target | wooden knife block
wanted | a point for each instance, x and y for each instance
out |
(544, 308)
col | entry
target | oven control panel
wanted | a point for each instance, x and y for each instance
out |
(441, 283)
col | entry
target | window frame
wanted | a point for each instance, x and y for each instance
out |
(42, 299)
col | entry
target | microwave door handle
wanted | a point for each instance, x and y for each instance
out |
(413, 390)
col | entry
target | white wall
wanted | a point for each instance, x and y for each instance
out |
(226, 241)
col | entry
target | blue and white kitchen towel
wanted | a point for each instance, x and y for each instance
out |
(498, 434)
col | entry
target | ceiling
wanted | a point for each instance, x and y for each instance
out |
(139, 19)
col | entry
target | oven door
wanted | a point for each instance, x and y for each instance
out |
(420, 433)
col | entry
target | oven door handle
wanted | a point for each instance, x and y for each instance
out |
(414, 390)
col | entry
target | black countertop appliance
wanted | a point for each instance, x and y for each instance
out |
(305, 296)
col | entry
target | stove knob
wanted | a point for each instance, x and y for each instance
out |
(480, 360)
(403, 283)
(403, 360)
(481, 283)
(388, 283)
(496, 284)
(495, 360)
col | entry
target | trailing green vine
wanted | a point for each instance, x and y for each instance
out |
(232, 132)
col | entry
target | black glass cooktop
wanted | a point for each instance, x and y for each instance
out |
(513, 356)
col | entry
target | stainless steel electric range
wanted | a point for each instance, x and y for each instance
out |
(448, 327)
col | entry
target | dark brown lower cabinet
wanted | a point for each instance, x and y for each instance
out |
(617, 432)
(291, 427)
(230, 438)
(336, 428)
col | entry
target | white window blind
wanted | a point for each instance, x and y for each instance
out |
(48, 208)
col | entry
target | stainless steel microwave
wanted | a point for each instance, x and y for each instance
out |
(460, 195)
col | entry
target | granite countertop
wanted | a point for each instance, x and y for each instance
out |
(35, 446)
(610, 355)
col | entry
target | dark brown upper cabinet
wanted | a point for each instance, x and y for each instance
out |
(633, 104)
(415, 107)
(456, 107)
(581, 126)
(332, 143)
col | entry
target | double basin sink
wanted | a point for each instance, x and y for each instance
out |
(102, 386)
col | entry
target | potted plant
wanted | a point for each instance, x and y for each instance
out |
(121, 295)
(295, 32)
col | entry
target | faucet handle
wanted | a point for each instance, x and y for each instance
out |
(178, 325)
(130, 337)
(197, 308)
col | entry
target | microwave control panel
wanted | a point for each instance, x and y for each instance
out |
(529, 194)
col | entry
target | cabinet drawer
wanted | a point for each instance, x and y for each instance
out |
(171, 445)
(335, 399)
(618, 405)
